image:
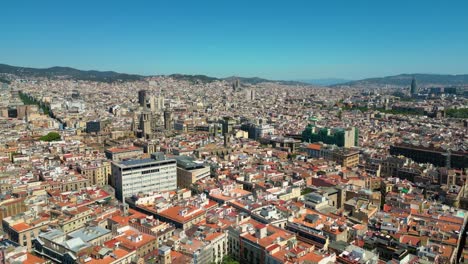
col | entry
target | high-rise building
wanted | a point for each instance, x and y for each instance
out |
(135, 122)
(154, 174)
(236, 85)
(142, 98)
(414, 87)
(342, 137)
(145, 123)
(75, 94)
(227, 140)
(93, 126)
(249, 128)
(168, 122)
(152, 103)
(156, 103)
(228, 125)
(250, 94)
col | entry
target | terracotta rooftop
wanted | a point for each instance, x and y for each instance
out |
(20, 227)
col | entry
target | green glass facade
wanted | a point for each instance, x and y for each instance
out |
(335, 136)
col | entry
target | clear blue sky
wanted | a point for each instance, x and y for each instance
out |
(271, 39)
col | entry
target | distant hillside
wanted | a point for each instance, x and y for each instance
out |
(111, 76)
(405, 80)
(69, 73)
(257, 80)
(4, 80)
(326, 81)
(193, 78)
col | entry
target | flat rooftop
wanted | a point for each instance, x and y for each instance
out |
(143, 162)
(127, 149)
(135, 162)
(188, 163)
(89, 233)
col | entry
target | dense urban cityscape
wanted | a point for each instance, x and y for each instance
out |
(167, 170)
(234, 132)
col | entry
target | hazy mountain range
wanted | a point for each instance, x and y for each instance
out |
(111, 76)
(67, 72)
(405, 80)
(325, 81)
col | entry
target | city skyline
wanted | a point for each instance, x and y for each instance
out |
(217, 132)
(298, 41)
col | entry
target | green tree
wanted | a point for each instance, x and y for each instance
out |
(51, 136)
(229, 260)
(306, 191)
(458, 113)
(29, 100)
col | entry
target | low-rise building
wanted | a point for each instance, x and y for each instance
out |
(131, 239)
(55, 246)
(123, 153)
(97, 172)
(189, 171)
(24, 228)
(94, 235)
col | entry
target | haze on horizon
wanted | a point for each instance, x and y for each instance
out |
(298, 40)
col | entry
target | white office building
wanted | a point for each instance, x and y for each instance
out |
(144, 175)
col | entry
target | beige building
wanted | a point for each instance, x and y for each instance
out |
(75, 184)
(24, 229)
(291, 193)
(350, 137)
(189, 171)
(346, 158)
(13, 206)
(218, 243)
(97, 174)
(119, 154)
(74, 219)
(132, 239)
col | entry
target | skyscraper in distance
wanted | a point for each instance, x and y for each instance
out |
(168, 122)
(142, 98)
(236, 85)
(156, 103)
(249, 94)
(145, 123)
(414, 87)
